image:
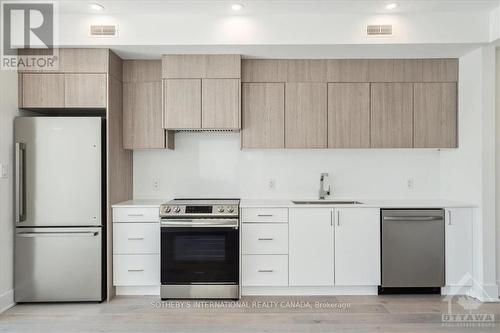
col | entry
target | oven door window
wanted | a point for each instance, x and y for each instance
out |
(199, 255)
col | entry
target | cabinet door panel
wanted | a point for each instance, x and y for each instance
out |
(347, 70)
(85, 90)
(222, 66)
(395, 70)
(391, 115)
(435, 115)
(83, 60)
(221, 103)
(357, 247)
(142, 115)
(263, 115)
(440, 70)
(182, 108)
(348, 115)
(306, 115)
(311, 247)
(183, 66)
(458, 246)
(264, 70)
(306, 70)
(43, 90)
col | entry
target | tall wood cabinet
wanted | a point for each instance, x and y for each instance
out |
(201, 91)
(142, 106)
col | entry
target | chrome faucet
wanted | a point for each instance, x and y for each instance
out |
(322, 192)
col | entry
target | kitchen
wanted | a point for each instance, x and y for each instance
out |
(287, 171)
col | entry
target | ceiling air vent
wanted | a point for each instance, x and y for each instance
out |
(379, 30)
(103, 31)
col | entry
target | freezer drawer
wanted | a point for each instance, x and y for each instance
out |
(413, 248)
(58, 264)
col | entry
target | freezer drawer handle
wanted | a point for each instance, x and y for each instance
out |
(265, 270)
(136, 214)
(265, 215)
(136, 270)
(265, 239)
(20, 182)
(59, 234)
(135, 238)
(412, 218)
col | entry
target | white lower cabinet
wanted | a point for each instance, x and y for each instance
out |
(136, 238)
(357, 247)
(458, 246)
(264, 270)
(311, 247)
(136, 270)
(264, 238)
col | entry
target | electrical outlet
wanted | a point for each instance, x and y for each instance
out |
(271, 184)
(410, 184)
(156, 184)
(4, 173)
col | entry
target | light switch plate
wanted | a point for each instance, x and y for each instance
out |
(4, 171)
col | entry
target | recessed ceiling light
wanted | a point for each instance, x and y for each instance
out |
(392, 5)
(237, 7)
(97, 7)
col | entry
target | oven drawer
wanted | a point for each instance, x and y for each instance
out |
(136, 214)
(264, 270)
(277, 215)
(136, 270)
(264, 238)
(136, 238)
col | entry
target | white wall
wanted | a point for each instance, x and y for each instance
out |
(8, 110)
(468, 173)
(212, 164)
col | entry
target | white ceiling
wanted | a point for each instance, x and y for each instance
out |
(278, 6)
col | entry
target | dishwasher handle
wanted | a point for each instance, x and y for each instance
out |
(412, 218)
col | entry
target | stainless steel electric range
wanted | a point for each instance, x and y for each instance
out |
(200, 249)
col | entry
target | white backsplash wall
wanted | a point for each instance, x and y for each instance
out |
(212, 165)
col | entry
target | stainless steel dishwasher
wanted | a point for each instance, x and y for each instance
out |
(412, 251)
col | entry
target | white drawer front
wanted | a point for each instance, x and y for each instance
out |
(136, 270)
(278, 215)
(139, 214)
(136, 238)
(264, 238)
(265, 270)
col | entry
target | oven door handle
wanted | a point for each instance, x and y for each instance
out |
(206, 223)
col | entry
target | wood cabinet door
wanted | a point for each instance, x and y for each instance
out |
(220, 103)
(440, 70)
(395, 70)
(85, 90)
(142, 115)
(83, 60)
(435, 115)
(348, 115)
(458, 246)
(357, 247)
(43, 90)
(391, 115)
(311, 247)
(263, 115)
(182, 103)
(305, 115)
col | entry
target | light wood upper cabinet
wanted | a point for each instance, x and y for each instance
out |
(85, 90)
(306, 70)
(306, 115)
(391, 115)
(264, 70)
(220, 103)
(435, 115)
(347, 70)
(263, 109)
(42, 90)
(142, 71)
(348, 115)
(395, 70)
(182, 103)
(194, 66)
(83, 60)
(440, 70)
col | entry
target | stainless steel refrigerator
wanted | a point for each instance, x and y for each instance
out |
(59, 209)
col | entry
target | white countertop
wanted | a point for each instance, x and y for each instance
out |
(378, 203)
(287, 203)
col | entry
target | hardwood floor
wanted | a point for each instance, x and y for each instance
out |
(252, 314)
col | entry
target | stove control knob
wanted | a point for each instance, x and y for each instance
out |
(230, 209)
(177, 209)
(220, 209)
(167, 209)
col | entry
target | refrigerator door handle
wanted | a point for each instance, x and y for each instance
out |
(20, 182)
(58, 234)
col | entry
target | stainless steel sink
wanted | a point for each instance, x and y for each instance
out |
(327, 202)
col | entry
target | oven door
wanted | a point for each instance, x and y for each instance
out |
(199, 255)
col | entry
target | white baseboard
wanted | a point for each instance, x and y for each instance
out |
(7, 300)
(485, 293)
(138, 291)
(309, 291)
(456, 290)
